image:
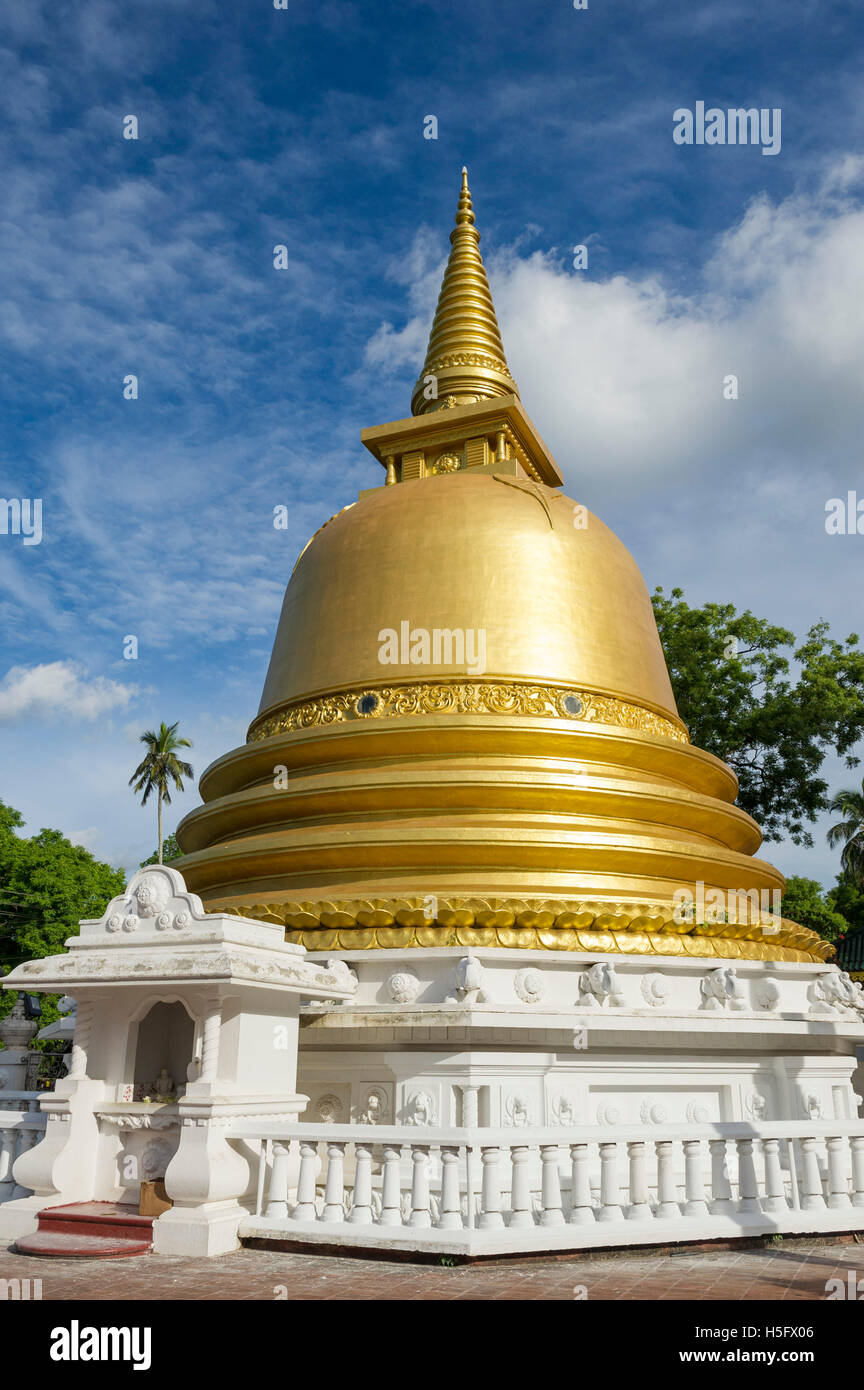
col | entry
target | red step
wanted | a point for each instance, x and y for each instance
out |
(98, 1230)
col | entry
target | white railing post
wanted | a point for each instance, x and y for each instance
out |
(334, 1190)
(305, 1208)
(775, 1188)
(550, 1183)
(277, 1205)
(8, 1154)
(694, 1188)
(391, 1187)
(264, 1147)
(490, 1194)
(520, 1189)
(857, 1145)
(610, 1188)
(450, 1216)
(667, 1191)
(721, 1187)
(812, 1198)
(748, 1183)
(581, 1210)
(361, 1206)
(838, 1184)
(639, 1208)
(420, 1212)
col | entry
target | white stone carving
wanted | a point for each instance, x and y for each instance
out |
(329, 1109)
(720, 988)
(766, 994)
(608, 1115)
(529, 985)
(563, 1110)
(813, 1108)
(468, 983)
(517, 1111)
(697, 1114)
(653, 1114)
(756, 1106)
(599, 986)
(403, 986)
(655, 989)
(421, 1109)
(375, 1107)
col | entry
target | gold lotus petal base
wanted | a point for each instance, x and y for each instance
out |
(548, 925)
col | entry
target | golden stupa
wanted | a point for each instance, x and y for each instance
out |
(467, 734)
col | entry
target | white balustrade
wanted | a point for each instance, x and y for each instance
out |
(536, 1185)
(21, 1126)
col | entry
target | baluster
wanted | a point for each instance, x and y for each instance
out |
(812, 1198)
(721, 1187)
(610, 1188)
(305, 1208)
(361, 1208)
(450, 1217)
(520, 1189)
(334, 1191)
(264, 1148)
(277, 1204)
(391, 1187)
(490, 1193)
(748, 1183)
(694, 1187)
(667, 1190)
(552, 1213)
(775, 1188)
(581, 1210)
(857, 1143)
(8, 1154)
(639, 1209)
(420, 1212)
(838, 1184)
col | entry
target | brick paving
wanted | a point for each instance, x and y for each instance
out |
(795, 1270)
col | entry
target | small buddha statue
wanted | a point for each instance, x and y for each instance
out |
(163, 1087)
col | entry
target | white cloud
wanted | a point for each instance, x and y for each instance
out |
(59, 688)
(624, 375)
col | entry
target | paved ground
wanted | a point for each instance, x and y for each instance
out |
(795, 1270)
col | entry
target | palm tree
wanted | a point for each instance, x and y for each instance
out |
(160, 767)
(849, 832)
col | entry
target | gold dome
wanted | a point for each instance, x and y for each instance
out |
(467, 732)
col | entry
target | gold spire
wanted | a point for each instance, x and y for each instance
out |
(465, 357)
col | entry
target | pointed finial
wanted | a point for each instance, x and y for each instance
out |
(465, 210)
(465, 358)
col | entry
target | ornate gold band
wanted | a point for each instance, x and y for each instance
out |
(476, 697)
(641, 929)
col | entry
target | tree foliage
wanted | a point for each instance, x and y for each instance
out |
(47, 885)
(732, 675)
(805, 903)
(170, 850)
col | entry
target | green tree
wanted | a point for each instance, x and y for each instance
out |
(159, 769)
(47, 885)
(805, 903)
(847, 898)
(731, 676)
(849, 832)
(170, 850)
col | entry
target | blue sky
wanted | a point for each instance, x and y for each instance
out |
(304, 127)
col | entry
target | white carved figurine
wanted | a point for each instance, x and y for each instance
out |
(467, 980)
(598, 986)
(719, 988)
